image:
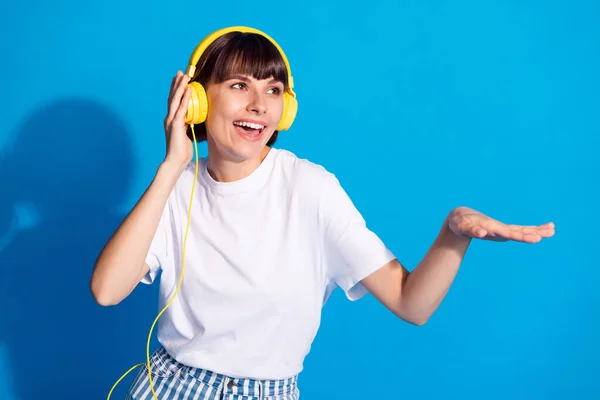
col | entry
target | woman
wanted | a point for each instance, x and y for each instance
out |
(270, 236)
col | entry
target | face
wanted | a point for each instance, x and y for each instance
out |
(243, 113)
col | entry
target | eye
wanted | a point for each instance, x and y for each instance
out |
(275, 90)
(239, 85)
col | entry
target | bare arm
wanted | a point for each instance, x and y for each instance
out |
(415, 296)
(121, 263)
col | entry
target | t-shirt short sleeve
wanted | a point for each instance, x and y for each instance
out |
(352, 250)
(159, 248)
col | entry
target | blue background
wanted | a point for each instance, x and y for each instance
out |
(417, 107)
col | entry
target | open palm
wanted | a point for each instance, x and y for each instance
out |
(466, 222)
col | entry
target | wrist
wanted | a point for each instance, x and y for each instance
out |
(169, 171)
(172, 166)
(451, 238)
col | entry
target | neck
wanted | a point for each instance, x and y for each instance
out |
(228, 169)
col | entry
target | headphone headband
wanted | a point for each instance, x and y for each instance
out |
(203, 45)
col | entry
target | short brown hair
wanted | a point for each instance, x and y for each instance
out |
(237, 53)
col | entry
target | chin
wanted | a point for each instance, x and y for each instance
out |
(243, 153)
(240, 146)
(241, 150)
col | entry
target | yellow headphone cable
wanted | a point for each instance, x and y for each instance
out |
(196, 114)
(178, 285)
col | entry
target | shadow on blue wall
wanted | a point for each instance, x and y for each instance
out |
(64, 175)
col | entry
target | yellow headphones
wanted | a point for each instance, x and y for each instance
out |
(198, 105)
(196, 114)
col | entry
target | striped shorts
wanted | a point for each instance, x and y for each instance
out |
(174, 381)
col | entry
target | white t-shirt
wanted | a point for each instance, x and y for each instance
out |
(262, 256)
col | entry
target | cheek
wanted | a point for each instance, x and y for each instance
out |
(218, 113)
(225, 108)
(277, 108)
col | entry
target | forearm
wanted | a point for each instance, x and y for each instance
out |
(121, 263)
(425, 287)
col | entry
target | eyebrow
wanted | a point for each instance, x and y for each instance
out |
(238, 77)
(243, 78)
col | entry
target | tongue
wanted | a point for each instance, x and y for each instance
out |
(249, 130)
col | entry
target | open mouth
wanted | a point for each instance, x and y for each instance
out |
(250, 130)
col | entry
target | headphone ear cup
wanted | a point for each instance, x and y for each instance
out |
(198, 104)
(290, 108)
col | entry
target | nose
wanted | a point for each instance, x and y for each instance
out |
(257, 103)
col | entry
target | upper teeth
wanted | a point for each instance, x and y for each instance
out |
(249, 124)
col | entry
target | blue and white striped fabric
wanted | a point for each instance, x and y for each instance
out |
(175, 381)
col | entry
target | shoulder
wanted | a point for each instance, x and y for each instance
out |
(190, 168)
(319, 189)
(302, 172)
(192, 172)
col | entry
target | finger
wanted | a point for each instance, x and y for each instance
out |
(177, 96)
(547, 225)
(174, 83)
(498, 231)
(472, 230)
(519, 236)
(478, 231)
(171, 92)
(501, 232)
(495, 227)
(182, 110)
(545, 230)
(523, 229)
(529, 238)
(546, 233)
